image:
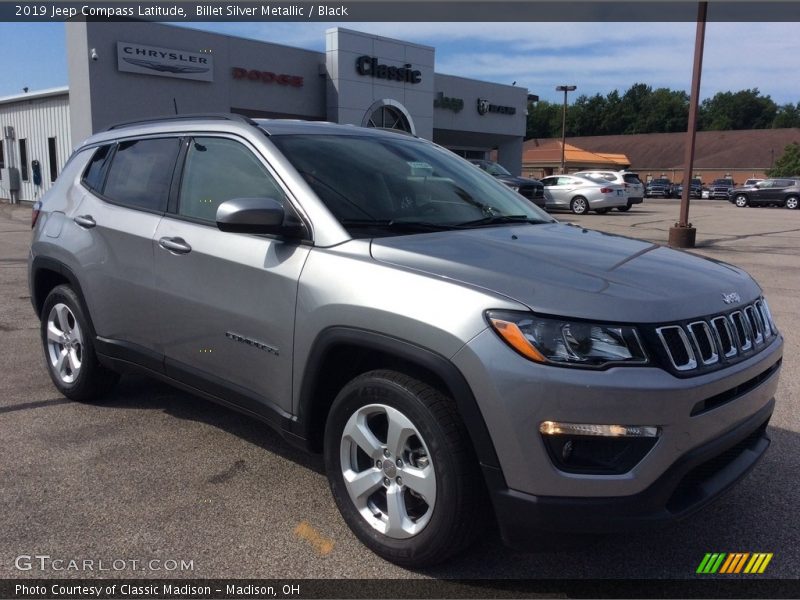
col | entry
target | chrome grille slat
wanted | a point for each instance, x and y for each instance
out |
(712, 340)
(685, 365)
(704, 334)
(722, 328)
(755, 324)
(742, 330)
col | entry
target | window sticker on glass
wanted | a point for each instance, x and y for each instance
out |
(420, 169)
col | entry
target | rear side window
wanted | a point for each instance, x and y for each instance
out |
(93, 176)
(217, 170)
(141, 173)
(631, 178)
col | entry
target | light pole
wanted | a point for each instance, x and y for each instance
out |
(565, 89)
(682, 234)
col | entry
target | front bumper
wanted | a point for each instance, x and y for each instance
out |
(516, 395)
(696, 479)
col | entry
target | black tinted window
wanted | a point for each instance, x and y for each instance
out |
(218, 170)
(93, 176)
(631, 178)
(141, 173)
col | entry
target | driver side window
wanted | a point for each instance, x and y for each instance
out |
(219, 169)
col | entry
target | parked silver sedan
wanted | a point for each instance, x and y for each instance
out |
(580, 194)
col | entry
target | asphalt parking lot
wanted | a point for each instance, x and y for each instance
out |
(155, 473)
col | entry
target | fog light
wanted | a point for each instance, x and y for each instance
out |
(556, 428)
(597, 449)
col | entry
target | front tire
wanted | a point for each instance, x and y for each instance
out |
(740, 201)
(579, 205)
(791, 203)
(68, 349)
(402, 471)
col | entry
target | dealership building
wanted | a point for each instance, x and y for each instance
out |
(136, 70)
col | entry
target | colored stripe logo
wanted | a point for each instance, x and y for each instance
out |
(751, 563)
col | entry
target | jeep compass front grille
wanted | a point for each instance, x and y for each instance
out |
(718, 340)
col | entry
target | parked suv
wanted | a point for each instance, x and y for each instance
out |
(634, 188)
(775, 192)
(458, 356)
(720, 188)
(532, 189)
(661, 187)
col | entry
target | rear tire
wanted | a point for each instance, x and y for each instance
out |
(624, 208)
(791, 203)
(740, 201)
(68, 349)
(402, 470)
(579, 205)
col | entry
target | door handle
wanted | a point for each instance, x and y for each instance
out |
(175, 245)
(85, 221)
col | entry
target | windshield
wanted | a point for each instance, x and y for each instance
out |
(496, 169)
(661, 181)
(387, 185)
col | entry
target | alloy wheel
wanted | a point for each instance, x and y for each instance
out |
(64, 343)
(387, 471)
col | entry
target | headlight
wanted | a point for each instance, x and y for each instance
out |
(514, 188)
(568, 343)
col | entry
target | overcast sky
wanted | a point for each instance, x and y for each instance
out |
(597, 57)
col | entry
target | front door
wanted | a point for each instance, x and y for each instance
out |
(227, 299)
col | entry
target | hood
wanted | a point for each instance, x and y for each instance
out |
(568, 271)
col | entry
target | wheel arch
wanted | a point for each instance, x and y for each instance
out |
(46, 274)
(341, 353)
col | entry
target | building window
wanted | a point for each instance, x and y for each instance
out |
(23, 159)
(51, 151)
(388, 117)
(2, 158)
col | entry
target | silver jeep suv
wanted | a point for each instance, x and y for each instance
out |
(459, 356)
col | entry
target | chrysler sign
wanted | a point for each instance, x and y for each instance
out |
(164, 62)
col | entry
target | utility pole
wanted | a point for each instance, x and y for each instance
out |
(565, 89)
(682, 234)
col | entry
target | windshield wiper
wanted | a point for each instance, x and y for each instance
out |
(396, 225)
(502, 219)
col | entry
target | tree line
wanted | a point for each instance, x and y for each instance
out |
(642, 109)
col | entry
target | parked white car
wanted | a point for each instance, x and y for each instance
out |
(633, 186)
(580, 194)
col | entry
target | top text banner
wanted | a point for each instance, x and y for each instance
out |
(401, 11)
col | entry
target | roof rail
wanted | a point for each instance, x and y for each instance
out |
(219, 116)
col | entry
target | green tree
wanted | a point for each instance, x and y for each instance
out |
(666, 111)
(544, 120)
(585, 116)
(788, 116)
(745, 109)
(789, 162)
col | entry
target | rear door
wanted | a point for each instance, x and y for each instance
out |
(227, 299)
(127, 187)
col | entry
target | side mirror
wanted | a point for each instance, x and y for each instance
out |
(257, 215)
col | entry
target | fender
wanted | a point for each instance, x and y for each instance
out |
(437, 364)
(50, 264)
